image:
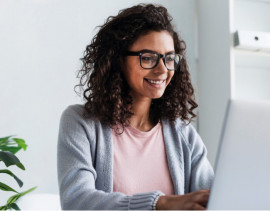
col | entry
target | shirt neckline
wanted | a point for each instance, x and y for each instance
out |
(140, 133)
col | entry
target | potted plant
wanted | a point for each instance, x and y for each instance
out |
(9, 146)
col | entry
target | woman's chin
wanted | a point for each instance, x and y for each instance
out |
(157, 96)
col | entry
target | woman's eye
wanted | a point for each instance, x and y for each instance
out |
(148, 58)
(170, 58)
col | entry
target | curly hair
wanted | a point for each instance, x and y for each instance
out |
(103, 84)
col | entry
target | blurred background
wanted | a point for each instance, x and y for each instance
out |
(42, 41)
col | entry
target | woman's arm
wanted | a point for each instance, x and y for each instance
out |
(202, 174)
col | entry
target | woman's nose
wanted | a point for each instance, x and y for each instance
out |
(161, 67)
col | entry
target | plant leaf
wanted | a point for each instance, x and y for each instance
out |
(9, 159)
(5, 187)
(15, 144)
(4, 207)
(14, 206)
(14, 198)
(8, 207)
(6, 141)
(13, 150)
(21, 166)
(5, 138)
(6, 171)
(21, 143)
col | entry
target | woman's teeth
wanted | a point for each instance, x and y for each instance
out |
(155, 82)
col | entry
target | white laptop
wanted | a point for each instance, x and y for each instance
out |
(242, 170)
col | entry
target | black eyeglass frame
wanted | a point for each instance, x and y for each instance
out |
(160, 56)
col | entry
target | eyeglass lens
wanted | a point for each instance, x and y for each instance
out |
(150, 60)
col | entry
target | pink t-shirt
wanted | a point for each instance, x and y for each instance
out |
(140, 163)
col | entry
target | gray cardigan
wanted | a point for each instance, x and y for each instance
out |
(85, 163)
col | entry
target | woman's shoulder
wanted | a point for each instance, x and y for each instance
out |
(185, 127)
(73, 121)
(74, 114)
(74, 110)
(185, 131)
(180, 125)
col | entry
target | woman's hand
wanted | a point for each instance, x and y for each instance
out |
(192, 201)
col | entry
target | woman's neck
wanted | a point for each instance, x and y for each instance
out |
(141, 119)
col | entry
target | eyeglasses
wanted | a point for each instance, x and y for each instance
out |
(150, 59)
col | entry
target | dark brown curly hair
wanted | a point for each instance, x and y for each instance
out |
(103, 84)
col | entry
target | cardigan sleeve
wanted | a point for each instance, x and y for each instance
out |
(201, 171)
(77, 175)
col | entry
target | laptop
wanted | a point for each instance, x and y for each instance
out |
(242, 169)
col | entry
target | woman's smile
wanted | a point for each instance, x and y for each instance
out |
(155, 83)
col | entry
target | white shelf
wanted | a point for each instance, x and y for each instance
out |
(249, 58)
(252, 40)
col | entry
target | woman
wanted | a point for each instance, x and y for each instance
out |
(131, 145)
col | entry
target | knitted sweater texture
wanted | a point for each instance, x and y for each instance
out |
(85, 163)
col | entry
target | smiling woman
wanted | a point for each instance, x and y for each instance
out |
(131, 146)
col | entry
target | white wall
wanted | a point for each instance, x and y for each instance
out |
(41, 42)
(214, 65)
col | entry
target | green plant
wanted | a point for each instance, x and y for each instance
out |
(9, 146)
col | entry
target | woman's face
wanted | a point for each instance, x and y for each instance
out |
(149, 83)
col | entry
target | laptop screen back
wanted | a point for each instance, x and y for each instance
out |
(242, 179)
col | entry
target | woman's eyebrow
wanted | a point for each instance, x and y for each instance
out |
(173, 51)
(151, 51)
(147, 51)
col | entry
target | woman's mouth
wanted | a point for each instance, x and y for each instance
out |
(155, 83)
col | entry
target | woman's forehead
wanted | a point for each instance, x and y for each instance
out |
(159, 41)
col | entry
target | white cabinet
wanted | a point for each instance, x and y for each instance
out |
(225, 71)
